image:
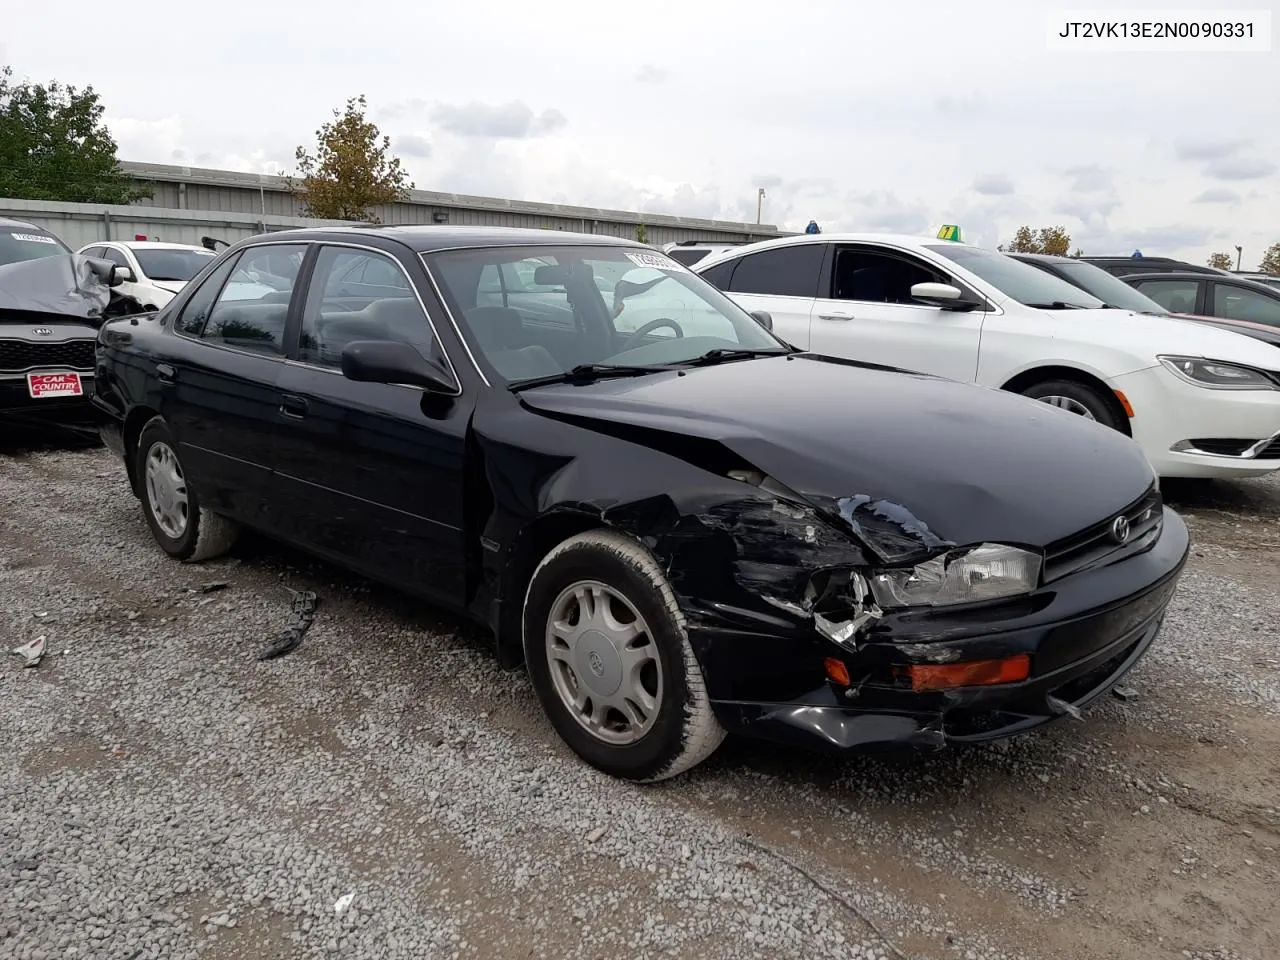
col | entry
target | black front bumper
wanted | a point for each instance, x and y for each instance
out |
(17, 404)
(1083, 634)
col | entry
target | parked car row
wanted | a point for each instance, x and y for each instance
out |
(679, 522)
(52, 302)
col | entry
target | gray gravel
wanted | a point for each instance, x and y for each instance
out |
(164, 794)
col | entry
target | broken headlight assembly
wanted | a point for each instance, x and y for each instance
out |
(989, 571)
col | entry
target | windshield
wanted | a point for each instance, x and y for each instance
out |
(1026, 284)
(534, 312)
(1108, 288)
(172, 264)
(18, 245)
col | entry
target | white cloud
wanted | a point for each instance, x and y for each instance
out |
(608, 108)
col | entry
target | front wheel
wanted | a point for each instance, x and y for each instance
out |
(1077, 398)
(610, 660)
(180, 525)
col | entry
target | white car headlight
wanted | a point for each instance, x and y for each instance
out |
(1217, 375)
(986, 572)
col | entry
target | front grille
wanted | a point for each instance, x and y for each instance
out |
(18, 356)
(1097, 544)
(1271, 451)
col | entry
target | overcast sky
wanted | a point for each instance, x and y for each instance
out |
(862, 115)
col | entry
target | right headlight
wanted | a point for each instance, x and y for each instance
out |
(1217, 375)
(990, 571)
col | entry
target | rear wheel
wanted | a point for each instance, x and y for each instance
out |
(1077, 398)
(181, 526)
(609, 658)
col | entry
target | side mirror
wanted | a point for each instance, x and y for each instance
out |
(942, 295)
(764, 319)
(393, 361)
(122, 274)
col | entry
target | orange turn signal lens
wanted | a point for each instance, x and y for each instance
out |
(837, 672)
(974, 673)
(1124, 402)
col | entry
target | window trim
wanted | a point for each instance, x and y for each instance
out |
(293, 335)
(303, 280)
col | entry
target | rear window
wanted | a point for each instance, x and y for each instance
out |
(18, 244)
(688, 257)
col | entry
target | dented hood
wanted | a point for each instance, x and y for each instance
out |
(70, 286)
(904, 460)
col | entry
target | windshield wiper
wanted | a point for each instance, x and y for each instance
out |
(720, 354)
(1057, 305)
(589, 373)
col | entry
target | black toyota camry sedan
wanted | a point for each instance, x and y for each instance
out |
(681, 525)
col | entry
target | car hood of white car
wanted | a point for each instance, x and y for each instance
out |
(1150, 336)
(172, 286)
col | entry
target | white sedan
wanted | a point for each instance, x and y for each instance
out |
(1201, 402)
(159, 270)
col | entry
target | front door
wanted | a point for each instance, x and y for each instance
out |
(869, 314)
(371, 474)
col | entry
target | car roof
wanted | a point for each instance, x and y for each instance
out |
(1042, 257)
(148, 245)
(25, 225)
(425, 238)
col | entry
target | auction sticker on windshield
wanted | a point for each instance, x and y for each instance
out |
(655, 260)
(45, 385)
(33, 238)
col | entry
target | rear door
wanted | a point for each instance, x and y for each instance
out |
(1233, 301)
(371, 474)
(868, 313)
(782, 281)
(218, 385)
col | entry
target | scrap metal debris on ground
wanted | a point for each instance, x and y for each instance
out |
(32, 653)
(304, 612)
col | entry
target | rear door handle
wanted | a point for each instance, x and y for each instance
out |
(293, 406)
(835, 316)
(165, 373)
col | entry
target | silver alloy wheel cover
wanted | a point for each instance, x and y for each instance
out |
(1070, 405)
(600, 665)
(166, 490)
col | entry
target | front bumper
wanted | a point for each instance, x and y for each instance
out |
(17, 404)
(1169, 413)
(1083, 633)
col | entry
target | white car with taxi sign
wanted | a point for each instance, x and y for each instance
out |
(1200, 401)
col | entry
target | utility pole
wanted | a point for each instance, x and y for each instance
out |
(1239, 254)
(759, 203)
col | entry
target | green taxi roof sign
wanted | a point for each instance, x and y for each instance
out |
(949, 231)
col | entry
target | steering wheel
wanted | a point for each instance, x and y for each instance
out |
(646, 328)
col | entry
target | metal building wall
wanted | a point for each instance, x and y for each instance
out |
(193, 188)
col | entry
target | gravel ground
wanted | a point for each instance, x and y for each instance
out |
(164, 794)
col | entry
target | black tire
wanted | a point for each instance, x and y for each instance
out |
(205, 534)
(684, 731)
(1100, 406)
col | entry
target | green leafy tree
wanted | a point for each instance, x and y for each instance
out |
(1271, 260)
(1051, 240)
(642, 234)
(352, 169)
(1221, 261)
(55, 146)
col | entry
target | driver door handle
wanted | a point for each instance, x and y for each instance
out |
(293, 406)
(165, 373)
(835, 316)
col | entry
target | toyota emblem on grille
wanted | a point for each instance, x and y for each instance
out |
(1120, 529)
(42, 332)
